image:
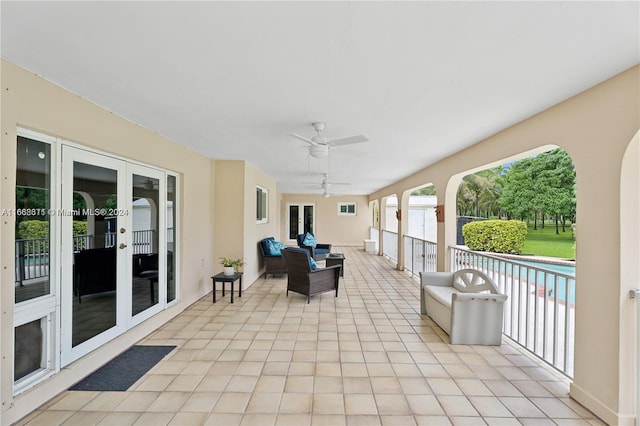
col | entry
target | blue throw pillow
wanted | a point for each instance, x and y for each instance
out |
(312, 264)
(309, 240)
(275, 247)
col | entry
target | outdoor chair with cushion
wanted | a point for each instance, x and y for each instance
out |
(271, 253)
(305, 277)
(308, 241)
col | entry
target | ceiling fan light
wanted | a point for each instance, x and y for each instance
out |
(319, 151)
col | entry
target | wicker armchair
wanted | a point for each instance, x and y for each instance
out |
(302, 279)
(319, 252)
(273, 264)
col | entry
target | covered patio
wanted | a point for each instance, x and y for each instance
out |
(365, 357)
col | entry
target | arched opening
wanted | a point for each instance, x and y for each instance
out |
(533, 188)
(630, 271)
(420, 240)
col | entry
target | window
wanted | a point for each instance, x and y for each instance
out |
(262, 204)
(346, 209)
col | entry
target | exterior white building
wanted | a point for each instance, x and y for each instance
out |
(422, 216)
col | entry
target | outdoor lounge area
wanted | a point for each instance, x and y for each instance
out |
(173, 135)
(366, 357)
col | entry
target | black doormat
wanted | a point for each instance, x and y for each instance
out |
(124, 370)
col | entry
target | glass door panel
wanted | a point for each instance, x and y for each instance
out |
(144, 237)
(94, 263)
(308, 220)
(301, 219)
(294, 218)
(33, 220)
(94, 260)
(171, 237)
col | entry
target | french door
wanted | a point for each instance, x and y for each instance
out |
(113, 248)
(301, 218)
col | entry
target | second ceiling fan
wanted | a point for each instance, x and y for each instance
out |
(326, 185)
(319, 145)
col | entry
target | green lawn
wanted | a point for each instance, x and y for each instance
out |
(545, 242)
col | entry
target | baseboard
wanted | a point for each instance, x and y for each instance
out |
(603, 412)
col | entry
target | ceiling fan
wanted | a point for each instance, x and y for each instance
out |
(319, 145)
(326, 185)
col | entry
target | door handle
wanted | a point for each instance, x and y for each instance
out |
(122, 245)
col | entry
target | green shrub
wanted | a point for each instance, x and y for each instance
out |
(498, 236)
(79, 228)
(33, 229)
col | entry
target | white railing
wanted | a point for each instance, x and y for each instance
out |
(82, 242)
(32, 259)
(540, 311)
(419, 255)
(32, 255)
(143, 241)
(390, 245)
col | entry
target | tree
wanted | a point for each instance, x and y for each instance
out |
(543, 184)
(427, 190)
(479, 192)
(518, 191)
(556, 184)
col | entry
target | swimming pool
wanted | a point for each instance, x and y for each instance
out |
(554, 275)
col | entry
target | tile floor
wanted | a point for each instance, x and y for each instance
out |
(366, 357)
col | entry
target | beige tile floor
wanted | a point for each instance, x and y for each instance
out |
(366, 357)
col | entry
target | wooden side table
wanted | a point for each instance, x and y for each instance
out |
(335, 259)
(227, 279)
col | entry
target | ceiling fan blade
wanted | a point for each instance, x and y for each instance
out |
(338, 183)
(302, 138)
(348, 141)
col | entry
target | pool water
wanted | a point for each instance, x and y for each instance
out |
(538, 276)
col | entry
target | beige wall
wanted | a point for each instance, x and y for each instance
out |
(236, 232)
(595, 128)
(331, 228)
(229, 206)
(33, 103)
(254, 232)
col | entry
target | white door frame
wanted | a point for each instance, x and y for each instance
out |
(162, 236)
(301, 206)
(124, 249)
(68, 352)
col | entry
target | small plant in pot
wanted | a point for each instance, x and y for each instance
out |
(230, 265)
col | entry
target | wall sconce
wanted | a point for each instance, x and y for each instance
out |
(440, 213)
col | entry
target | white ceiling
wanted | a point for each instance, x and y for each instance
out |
(421, 80)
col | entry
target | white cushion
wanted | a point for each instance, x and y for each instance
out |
(441, 294)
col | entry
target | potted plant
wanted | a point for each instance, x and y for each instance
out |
(230, 265)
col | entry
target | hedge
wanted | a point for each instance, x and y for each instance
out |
(498, 236)
(34, 229)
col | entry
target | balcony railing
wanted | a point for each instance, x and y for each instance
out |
(390, 244)
(32, 259)
(32, 255)
(540, 311)
(419, 255)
